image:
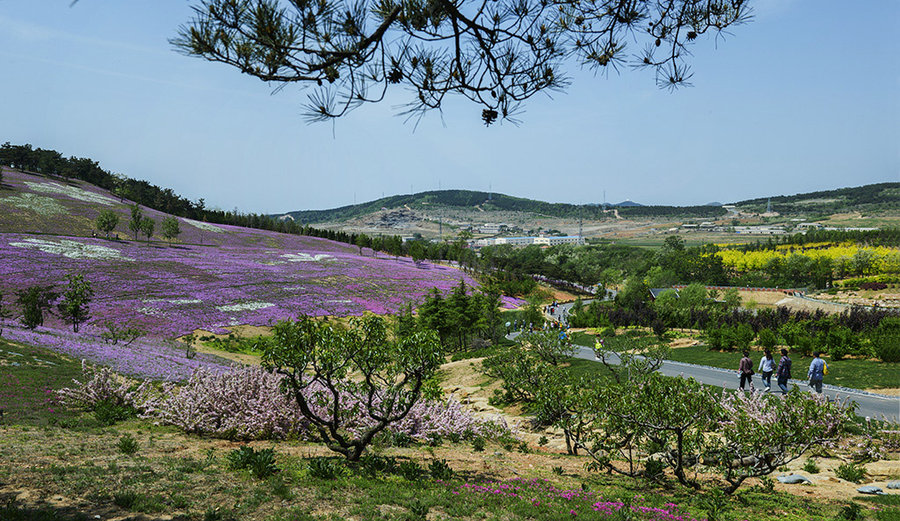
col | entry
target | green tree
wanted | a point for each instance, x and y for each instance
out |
(658, 415)
(634, 294)
(732, 298)
(34, 301)
(4, 313)
(496, 57)
(137, 217)
(417, 251)
(767, 339)
(362, 241)
(170, 228)
(335, 374)
(547, 345)
(692, 296)
(107, 220)
(886, 340)
(73, 308)
(631, 359)
(147, 226)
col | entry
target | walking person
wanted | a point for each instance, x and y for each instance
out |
(784, 371)
(816, 372)
(767, 367)
(745, 368)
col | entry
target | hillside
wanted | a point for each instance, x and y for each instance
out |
(484, 201)
(874, 197)
(212, 277)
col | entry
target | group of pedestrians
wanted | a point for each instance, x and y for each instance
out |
(782, 371)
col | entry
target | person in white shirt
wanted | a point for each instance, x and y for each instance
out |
(767, 367)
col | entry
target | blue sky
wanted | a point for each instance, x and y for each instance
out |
(805, 97)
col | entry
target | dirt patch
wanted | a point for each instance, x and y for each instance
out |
(683, 342)
(890, 391)
(761, 298)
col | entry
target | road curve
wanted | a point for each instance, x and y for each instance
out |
(868, 404)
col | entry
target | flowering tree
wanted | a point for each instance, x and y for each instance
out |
(761, 432)
(337, 376)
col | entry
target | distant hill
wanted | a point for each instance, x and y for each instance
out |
(880, 196)
(492, 201)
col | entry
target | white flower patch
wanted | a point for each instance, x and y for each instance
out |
(72, 249)
(305, 257)
(204, 226)
(177, 301)
(39, 204)
(70, 191)
(245, 306)
(147, 310)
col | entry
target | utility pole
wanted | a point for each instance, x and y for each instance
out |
(580, 224)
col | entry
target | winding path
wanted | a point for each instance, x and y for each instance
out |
(869, 404)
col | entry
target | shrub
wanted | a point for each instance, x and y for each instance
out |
(103, 389)
(850, 472)
(439, 469)
(324, 468)
(478, 444)
(851, 512)
(410, 470)
(125, 499)
(128, 445)
(260, 463)
(108, 413)
(767, 339)
(886, 340)
(811, 467)
(653, 468)
(558, 470)
(418, 510)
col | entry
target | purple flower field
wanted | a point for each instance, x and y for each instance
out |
(156, 359)
(213, 277)
(171, 291)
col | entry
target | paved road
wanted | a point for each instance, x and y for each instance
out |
(869, 405)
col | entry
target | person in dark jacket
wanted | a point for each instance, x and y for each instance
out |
(784, 371)
(745, 368)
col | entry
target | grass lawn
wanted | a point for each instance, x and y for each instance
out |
(28, 378)
(856, 374)
(188, 477)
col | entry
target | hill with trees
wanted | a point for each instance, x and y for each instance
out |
(499, 202)
(874, 197)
